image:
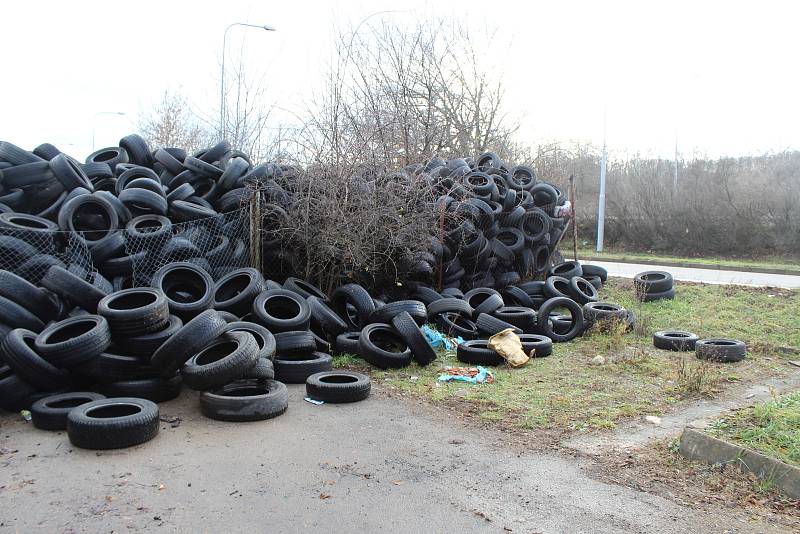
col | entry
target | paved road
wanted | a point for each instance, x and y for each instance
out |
(709, 276)
(375, 466)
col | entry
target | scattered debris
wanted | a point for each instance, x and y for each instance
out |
(598, 360)
(313, 401)
(470, 375)
(653, 420)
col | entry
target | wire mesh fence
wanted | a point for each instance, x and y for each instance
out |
(218, 244)
(30, 253)
(131, 256)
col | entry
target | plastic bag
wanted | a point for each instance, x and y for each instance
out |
(507, 344)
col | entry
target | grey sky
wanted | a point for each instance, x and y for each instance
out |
(722, 76)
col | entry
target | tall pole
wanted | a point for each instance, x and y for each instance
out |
(601, 208)
(222, 72)
(675, 169)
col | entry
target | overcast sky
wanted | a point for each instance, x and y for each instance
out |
(722, 77)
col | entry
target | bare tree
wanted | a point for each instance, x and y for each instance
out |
(172, 123)
(396, 95)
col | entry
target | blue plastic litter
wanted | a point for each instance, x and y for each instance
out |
(439, 341)
(483, 376)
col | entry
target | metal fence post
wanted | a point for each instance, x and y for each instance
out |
(255, 229)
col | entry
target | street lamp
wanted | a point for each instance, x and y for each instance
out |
(94, 121)
(222, 73)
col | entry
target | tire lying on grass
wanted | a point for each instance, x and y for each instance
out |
(546, 325)
(245, 400)
(50, 413)
(676, 340)
(338, 386)
(536, 346)
(477, 352)
(720, 350)
(112, 423)
(421, 351)
(380, 345)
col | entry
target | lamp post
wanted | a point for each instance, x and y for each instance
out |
(222, 73)
(94, 122)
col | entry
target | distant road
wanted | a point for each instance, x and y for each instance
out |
(708, 276)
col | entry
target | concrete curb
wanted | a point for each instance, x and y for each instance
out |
(692, 265)
(697, 445)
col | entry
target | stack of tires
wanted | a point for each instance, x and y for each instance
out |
(653, 285)
(713, 349)
(123, 209)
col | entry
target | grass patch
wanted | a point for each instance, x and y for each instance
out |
(566, 392)
(772, 428)
(782, 263)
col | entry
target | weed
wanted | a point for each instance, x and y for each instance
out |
(696, 377)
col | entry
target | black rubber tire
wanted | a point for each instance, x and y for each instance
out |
(581, 290)
(720, 350)
(14, 393)
(515, 296)
(189, 289)
(16, 155)
(73, 288)
(137, 149)
(112, 156)
(519, 316)
(222, 361)
(386, 313)
(169, 161)
(294, 342)
(453, 325)
(426, 295)
(202, 168)
(595, 281)
(145, 345)
(262, 370)
(338, 386)
(39, 302)
(450, 305)
(378, 344)
(675, 340)
(653, 282)
(594, 270)
(153, 389)
(295, 369)
(542, 345)
(135, 312)
(557, 286)
(263, 337)
(17, 316)
(421, 351)
(70, 218)
(477, 352)
(110, 367)
(577, 325)
(236, 291)
(143, 201)
(245, 400)
(566, 269)
(304, 289)
(359, 299)
(50, 413)
(17, 350)
(324, 319)
(347, 343)
(491, 325)
(652, 297)
(483, 300)
(281, 310)
(603, 312)
(123, 422)
(74, 341)
(70, 173)
(148, 232)
(187, 341)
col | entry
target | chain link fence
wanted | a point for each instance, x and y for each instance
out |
(218, 244)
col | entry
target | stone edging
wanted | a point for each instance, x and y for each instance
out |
(697, 445)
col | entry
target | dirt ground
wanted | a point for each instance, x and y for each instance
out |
(383, 465)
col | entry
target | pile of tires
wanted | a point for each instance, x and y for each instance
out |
(653, 285)
(124, 205)
(388, 335)
(724, 350)
(500, 223)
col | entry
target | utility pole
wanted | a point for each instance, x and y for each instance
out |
(601, 208)
(675, 169)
